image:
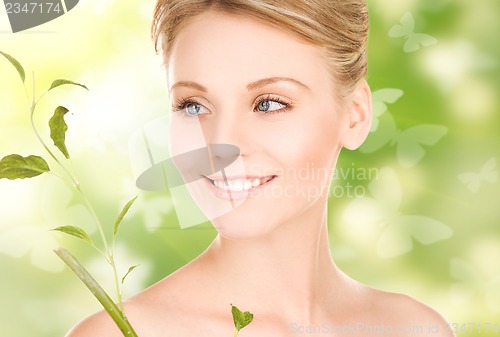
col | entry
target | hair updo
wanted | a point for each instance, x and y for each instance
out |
(338, 27)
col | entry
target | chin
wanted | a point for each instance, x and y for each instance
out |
(233, 226)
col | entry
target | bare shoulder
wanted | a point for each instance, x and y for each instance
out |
(98, 324)
(160, 310)
(101, 324)
(406, 316)
(148, 317)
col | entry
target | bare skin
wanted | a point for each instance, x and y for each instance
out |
(272, 254)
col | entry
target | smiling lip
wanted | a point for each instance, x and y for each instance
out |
(237, 187)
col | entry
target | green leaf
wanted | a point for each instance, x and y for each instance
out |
(241, 319)
(58, 128)
(58, 83)
(16, 64)
(128, 272)
(122, 215)
(15, 166)
(75, 231)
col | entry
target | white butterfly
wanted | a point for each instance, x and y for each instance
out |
(381, 217)
(380, 98)
(153, 211)
(408, 142)
(135, 281)
(34, 241)
(60, 205)
(488, 173)
(99, 6)
(406, 30)
(24, 233)
(471, 284)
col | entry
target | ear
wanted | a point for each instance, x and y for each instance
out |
(358, 118)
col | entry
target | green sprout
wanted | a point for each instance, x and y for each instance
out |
(18, 167)
(240, 319)
(15, 166)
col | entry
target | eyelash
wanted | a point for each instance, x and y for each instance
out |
(182, 103)
(286, 105)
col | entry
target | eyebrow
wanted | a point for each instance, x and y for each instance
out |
(266, 81)
(252, 86)
(189, 84)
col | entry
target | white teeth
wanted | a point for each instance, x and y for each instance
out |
(238, 185)
(247, 185)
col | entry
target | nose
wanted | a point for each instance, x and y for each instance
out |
(226, 134)
(227, 137)
(225, 152)
(221, 155)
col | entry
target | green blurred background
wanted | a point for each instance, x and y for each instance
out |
(423, 223)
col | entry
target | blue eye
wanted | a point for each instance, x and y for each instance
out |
(190, 108)
(270, 105)
(193, 109)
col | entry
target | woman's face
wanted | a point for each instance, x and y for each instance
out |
(236, 81)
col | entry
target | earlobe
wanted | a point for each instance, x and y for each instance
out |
(359, 117)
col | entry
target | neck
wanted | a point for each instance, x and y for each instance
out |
(289, 271)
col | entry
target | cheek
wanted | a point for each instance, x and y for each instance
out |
(311, 142)
(184, 135)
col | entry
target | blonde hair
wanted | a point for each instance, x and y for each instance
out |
(338, 27)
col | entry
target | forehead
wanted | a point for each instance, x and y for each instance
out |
(237, 50)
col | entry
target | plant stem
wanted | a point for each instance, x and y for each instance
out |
(118, 286)
(58, 176)
(236, 333)
(108, 254)
(96, 220)
(116, 314)
(73, 179)
(32, 112)
(117, 282)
